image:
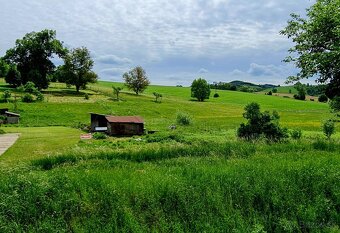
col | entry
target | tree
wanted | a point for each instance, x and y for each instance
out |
(317, 44)
(4, 68)
(32, 55)
(136, 80)
(158, 97)
(261, 124)
(13, 76)
(328, 128)
(200, 89)
(301, 95)
(77, 68)
(116, 91)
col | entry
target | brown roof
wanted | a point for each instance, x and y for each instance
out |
(125, 119)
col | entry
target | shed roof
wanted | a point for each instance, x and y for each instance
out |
(12, 114)
(125, 119)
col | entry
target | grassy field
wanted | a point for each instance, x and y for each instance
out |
(197, 178)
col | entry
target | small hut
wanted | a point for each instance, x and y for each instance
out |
(117, 125)
(10, 117)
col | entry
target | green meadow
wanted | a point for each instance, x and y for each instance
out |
(196, 178)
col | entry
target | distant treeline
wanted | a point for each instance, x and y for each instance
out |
(240, 86)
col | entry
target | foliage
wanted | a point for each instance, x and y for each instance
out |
(158, 97)
(323, 98)
(6, 95)
(27, 98)
(216, 95)
(99, 136)
(116, 91)
(296, 134)
(29, 87)
(183, 118)
(2, 119)
(261, 124)
(4, 68)
(270, 93)
(13, 76)
(335, 104)
(39, 96)
(200, 89)
(317, 38)
(274, 90)
(78, 68)
(86, 96)
(301, 95)
(136, 80)
(32, 55)
(1, 130)
(328, 128)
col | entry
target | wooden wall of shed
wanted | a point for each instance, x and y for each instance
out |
(12, 120)
(125, 129)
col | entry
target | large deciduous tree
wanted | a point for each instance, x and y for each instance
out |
(136, 80)
(32, 55)
(77, 69)
(4, 67)
(200, 89)
(317, 44)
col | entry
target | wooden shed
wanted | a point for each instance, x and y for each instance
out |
(117, 125)
(11, 117)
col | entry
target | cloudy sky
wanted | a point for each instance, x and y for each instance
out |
(175, 41)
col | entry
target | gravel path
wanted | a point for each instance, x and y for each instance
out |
(7, 140)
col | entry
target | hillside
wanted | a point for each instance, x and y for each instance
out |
(196, 178)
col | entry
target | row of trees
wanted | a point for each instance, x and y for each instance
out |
(31, 61)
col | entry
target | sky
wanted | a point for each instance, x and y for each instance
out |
(174, 41)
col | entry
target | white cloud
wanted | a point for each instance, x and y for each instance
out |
(113, 59)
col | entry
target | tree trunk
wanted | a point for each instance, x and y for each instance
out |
(77, 88)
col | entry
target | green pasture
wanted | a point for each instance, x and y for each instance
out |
(197, 178)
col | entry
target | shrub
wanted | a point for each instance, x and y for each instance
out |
(86, 96)
(296, 134)
(323, 98)
(183, 119)
(40, 96)
(216, 95)
(328, 128)
(270, 93)
(27, 98)
(2, 132)
(99, 136)
(30, 88)
(261, 124)
(6, 95)
(274, 90)
(158, 97)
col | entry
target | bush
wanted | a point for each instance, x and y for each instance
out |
(296, 134)
(86, 96)
(6, 95)
(183, 119)
(328, 128)
(323, 98)
(40, 96)
(99, 136)
(270, 93)
(2, 132)
(261, 124)
(30, 88)
(216, 95)
(27, 98)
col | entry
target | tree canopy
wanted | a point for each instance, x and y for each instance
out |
(136, 80)
(32, 55)
(200, 89)
(77, 69)
(317, 44)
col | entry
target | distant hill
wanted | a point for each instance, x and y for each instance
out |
(239, 83)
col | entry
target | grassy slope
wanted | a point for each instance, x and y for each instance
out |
(198, 178)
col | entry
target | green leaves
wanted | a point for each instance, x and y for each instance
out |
(200, 89)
